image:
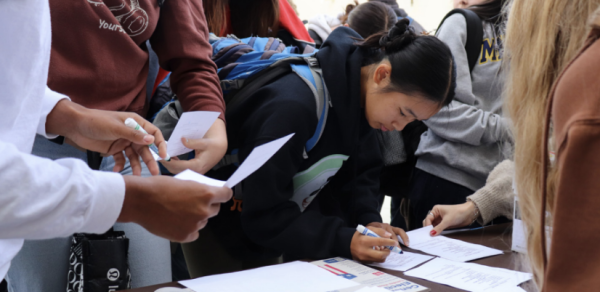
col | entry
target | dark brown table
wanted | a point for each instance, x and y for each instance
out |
(498, 237)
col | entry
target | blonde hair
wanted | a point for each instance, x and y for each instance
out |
(541, 37)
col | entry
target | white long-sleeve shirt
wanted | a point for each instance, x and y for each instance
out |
(40, 198)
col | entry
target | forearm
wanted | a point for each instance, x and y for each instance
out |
(300, 235)
(45, 199)
(496, 198)
(187, 54)
(61, 120)
(463, 123)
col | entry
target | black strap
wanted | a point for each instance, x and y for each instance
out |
(94, 160)
(3, 286)
(474, 34)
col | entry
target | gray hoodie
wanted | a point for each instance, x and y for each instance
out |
(466, 140)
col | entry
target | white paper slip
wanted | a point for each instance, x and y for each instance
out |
(402, 262)
(191, 125)
(468, 276)
(194, 176)
(452, 249)
(257, 158)
(289, 277)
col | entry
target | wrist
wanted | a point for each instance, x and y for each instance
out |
(472, 210)
(64, 117)
(131, 204)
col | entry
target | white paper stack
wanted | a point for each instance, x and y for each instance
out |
(289, 277)
(470, 276)
(448, 248)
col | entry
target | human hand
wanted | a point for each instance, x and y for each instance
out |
(171, 208)
(450, 216)
(209, 151)
(105, 132)
(372, 249)
(394, 231)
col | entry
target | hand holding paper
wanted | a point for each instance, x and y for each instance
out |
(191, 125)
(257, 158)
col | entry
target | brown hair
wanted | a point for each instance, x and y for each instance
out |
(248, 18)
(369, 18)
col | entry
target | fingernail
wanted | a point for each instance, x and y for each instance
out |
(387, 234)
(148, 138)
(433, 232)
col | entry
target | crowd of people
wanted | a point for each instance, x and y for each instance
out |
(453, 125)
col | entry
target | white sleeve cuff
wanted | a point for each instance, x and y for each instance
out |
(51, 98)
(106, 205)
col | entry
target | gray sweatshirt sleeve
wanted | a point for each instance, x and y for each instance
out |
(461, 121)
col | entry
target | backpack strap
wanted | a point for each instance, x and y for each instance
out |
(311, 74)
(474, 34)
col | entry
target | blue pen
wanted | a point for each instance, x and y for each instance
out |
(365, 231)
(131, 123)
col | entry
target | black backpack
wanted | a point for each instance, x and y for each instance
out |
(395, 179)
(474, 34)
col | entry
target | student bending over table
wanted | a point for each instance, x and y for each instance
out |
(385, 82)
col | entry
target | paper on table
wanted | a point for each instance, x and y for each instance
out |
(289, 277)
(191, 125)
(452, 249)
(505, 288)
(254, 161)
(372, 289)
(402, 262)
(468, 276)
(367, 276)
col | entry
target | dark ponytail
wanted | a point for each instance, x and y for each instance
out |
(421, 64)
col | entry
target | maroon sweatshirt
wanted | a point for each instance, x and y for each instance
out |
(99, 58)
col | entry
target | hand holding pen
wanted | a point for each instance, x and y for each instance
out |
(105, 132)
(132, 124)
(365, 248)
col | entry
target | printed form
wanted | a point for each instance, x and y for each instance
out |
(470, 276)
(448, 248)
(366, 276)
(402, 262)
(257, 158)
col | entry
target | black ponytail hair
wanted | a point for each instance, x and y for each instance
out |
(421, 64)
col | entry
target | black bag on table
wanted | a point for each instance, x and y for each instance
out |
(99, 262)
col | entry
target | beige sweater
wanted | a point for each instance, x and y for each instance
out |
(496, 198)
